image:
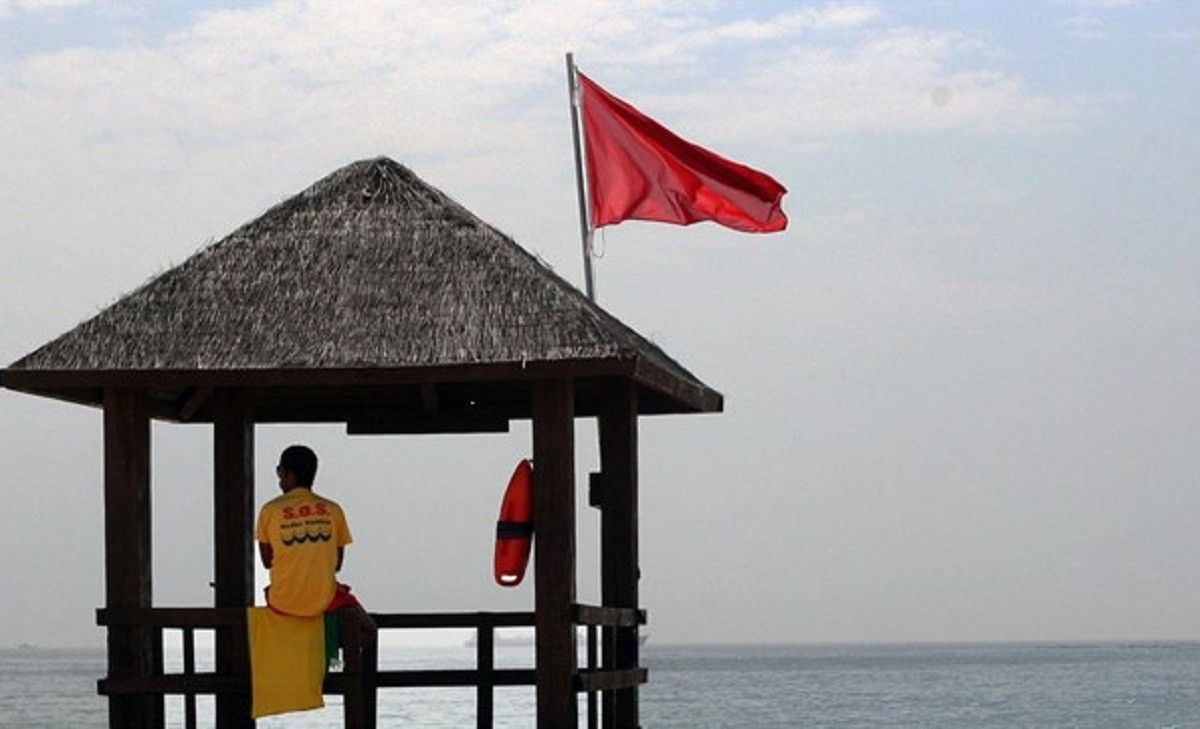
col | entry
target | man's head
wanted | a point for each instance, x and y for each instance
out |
(297, 468)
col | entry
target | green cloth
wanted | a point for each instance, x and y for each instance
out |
(333, 637)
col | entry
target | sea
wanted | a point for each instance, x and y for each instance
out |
(937, 685)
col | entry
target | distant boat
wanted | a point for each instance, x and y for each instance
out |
(526, 640)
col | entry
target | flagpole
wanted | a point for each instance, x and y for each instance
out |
(585, 228)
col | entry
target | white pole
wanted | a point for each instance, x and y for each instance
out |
(585, 227)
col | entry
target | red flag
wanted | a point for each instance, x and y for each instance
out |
(640, 170)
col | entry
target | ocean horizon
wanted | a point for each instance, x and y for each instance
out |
(938, 684)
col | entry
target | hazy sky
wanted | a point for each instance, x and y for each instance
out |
(962, 390)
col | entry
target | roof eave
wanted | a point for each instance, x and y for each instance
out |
(86, 386)
(694, 396)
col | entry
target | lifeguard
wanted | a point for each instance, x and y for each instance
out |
(301, 538)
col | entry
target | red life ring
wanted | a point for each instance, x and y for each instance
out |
(514, 530)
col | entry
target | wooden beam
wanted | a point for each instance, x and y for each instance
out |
(94, 396)
(554, 552)
(429, 397)
(233, 543)
(304, 377)
(612, 617)
(696, 396)
(454, 677)
(672, 392)
(451, 620)
(173, 683)
(324, 409)
(335, 683)
(192, 617)
(619, 540)
(172, 617)
(401, 424)
(134, 652)
(605, 680)
(196, 398)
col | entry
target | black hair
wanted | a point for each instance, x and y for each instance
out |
(301, 461)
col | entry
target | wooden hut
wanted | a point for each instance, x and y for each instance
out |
(370, 299)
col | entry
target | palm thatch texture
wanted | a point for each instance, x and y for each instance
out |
(368, 268)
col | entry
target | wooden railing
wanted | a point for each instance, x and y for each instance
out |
(360, 678)
(485, 676)
(594, 679)
(355, 682)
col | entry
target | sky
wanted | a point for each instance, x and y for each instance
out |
(962, 389)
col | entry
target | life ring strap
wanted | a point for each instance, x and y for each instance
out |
(514, 529)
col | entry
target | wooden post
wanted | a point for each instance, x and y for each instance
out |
(133, 651)
(189, 668)
(554, 551)
(360, 667)
(233, 545)
(370, 669)
(485, 663)
(593, 719)
(619, 538)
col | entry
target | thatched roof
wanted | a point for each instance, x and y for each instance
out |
(368, 269)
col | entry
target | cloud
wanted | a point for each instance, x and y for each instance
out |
(465, 93)
(1087, 27)
(457, 77)
(261, 99)
(7, 6)
(893, 81)
(786, 24)
(1180, 35)
(694, 38)
(1109, 4)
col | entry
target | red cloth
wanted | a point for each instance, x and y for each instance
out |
(640, 170)
(341, 599)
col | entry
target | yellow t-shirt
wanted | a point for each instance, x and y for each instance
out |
(304, 531)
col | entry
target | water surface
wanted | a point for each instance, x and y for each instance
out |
(991, 685)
